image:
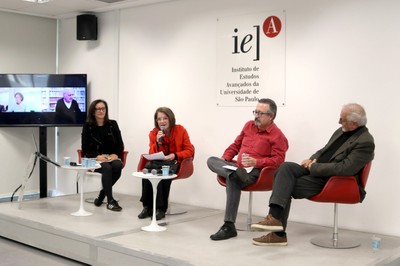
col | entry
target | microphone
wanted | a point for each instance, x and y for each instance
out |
(146, 171)
(162, 138)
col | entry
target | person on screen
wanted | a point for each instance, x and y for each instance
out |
(260, 144)
(18, 105)
(101, 139)
(173, 140)
(67, 109)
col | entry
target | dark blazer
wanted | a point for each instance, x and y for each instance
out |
(95, 142)
(67, 115)
(350, 158)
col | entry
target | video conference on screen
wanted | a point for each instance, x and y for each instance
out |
(43, 99)
(34, 99)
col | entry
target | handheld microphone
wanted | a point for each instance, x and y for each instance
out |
(162, 138)
(145, 171)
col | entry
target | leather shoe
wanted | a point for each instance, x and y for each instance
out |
(225, 232)
(98, 202)
(160, 214)
(114, 206)
(145, 213)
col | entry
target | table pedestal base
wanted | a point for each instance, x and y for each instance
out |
(154, 180)
(154, 227)
(81, 212)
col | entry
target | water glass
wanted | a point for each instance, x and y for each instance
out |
(165, 170)
(67, 160)
(375, 243)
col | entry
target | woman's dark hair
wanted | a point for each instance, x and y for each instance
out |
(272, 106)
(168, 112)
(91, 119)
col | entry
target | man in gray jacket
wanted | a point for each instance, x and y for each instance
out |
(349, 149)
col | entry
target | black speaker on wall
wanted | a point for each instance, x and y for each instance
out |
(86, 27)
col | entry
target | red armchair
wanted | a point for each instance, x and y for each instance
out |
(340, 189)
(263, 183)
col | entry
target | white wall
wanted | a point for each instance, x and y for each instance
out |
(99, 60)
(337, 52)
(28, 45)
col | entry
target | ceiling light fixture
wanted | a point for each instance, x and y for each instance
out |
(38, 1)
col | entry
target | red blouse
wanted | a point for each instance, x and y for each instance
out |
(177, 142)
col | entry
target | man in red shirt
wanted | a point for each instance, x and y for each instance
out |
(260, 144)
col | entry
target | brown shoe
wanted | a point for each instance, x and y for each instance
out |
(272, 239)
(268, 224)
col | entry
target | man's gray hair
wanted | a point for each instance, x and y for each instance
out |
(356, 113)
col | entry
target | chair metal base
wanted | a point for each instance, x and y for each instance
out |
(240, 226)
(342, 243)
(334, 241)
(249, 221)
(175, 211)
(91, 200)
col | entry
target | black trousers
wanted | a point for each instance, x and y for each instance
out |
(163, 189)
(110, 173)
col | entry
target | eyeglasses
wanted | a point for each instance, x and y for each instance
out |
(341, 120)
(258, 113)
(101, 109)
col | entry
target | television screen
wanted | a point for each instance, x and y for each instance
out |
(43, 99)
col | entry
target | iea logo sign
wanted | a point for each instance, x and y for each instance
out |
(251, 59)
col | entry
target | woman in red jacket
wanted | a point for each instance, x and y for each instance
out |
(173, 140)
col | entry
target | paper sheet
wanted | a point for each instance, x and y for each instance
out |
(154, 156)
(233, 168)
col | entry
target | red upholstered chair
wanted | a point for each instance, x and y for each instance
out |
(263, 183)
(340, 189)
(186, 169)
(92, 173)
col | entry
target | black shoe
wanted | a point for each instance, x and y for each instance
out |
(99, 200)
(114, 206)
(225, 232)
(160, 214)
(146, 212)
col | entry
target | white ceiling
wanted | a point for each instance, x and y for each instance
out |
(69, 8)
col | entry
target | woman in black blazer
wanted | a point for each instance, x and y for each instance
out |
(101, 139)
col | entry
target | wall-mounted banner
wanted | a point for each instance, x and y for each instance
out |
(251, 59)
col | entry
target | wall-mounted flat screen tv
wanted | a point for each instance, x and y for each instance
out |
(43, 99)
